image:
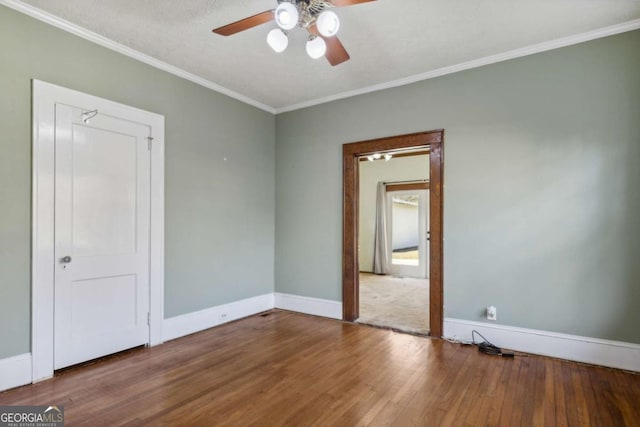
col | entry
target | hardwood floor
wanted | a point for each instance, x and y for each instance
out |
(292, 369)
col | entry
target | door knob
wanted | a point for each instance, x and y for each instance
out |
(66, 260)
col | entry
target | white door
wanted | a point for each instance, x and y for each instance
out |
(408, 219)
(102, 211)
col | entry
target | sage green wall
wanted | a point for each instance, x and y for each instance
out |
(219, 214)
(541, 197)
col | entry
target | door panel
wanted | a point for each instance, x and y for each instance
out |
(104, 192)
(102, 225)
(93, 300)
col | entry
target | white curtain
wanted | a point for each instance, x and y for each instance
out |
(380, 245)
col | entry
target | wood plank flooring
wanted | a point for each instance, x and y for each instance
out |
(292, 369)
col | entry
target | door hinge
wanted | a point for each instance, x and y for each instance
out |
(149, 141)
(148, 318)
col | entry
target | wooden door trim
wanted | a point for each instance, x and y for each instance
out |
(408, 187)
(432, 140)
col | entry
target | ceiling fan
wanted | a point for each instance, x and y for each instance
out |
(315, 16)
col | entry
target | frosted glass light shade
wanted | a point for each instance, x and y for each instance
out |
(278, 40)
(316, 47)
(328, 23)
(286, 16)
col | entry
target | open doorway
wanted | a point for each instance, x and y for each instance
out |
(407, 223)
(432, 142)
(393, 241)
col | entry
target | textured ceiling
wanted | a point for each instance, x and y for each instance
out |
(387, 40)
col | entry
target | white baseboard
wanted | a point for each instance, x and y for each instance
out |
(308, 305)
(179, 326)
(614, 354)
(15, 371)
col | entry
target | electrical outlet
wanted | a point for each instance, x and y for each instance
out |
(492, 313)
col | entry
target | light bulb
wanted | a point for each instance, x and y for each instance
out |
(286, 16)
(370, 158)
(278, 40)
(316, 47)
(387, 157)
(377, 156)
(328, 23)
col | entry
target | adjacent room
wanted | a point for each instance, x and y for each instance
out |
(320, 212)
(393, 239)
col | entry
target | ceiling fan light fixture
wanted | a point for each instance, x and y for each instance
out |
(328, 23)
(278, 40)
(316, 47)
(287, 16)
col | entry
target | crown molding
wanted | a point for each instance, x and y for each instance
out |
(86, 34)
(487, 60)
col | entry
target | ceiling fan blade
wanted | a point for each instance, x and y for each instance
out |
(245, 24)
(340, 3)
(336, 53)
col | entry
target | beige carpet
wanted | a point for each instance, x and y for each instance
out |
(394, 302)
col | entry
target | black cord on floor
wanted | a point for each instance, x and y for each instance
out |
(486, 347)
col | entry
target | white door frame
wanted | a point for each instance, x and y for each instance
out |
(45, 97)
(423, 225)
